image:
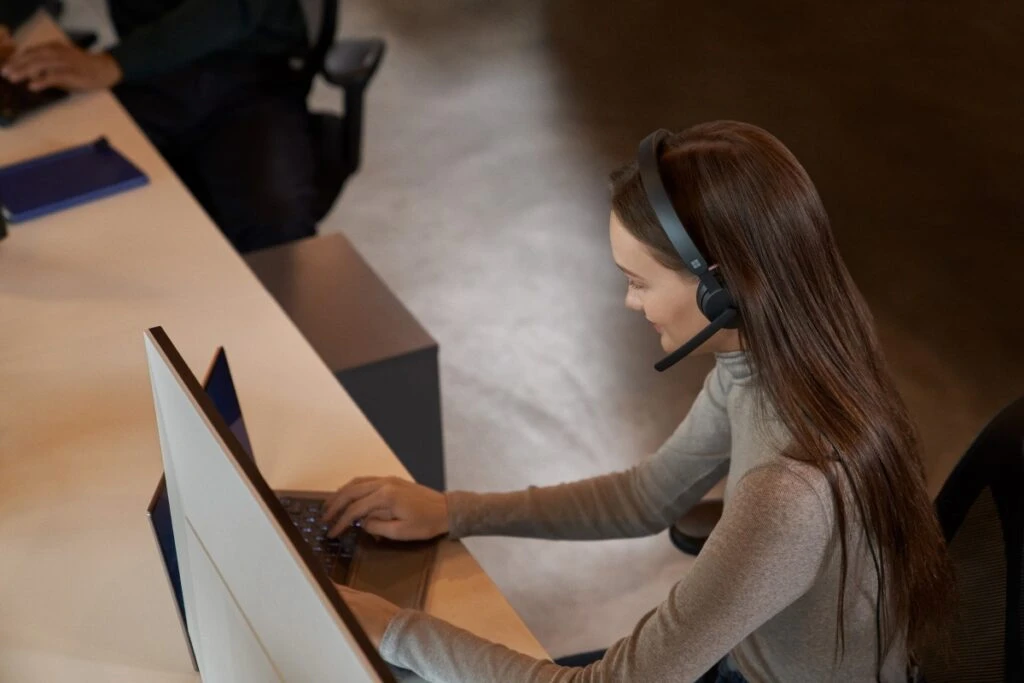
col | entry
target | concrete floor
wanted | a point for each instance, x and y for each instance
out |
(482, 202)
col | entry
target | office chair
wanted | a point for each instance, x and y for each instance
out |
(349, 64)
(981, 512)
(690, 533)
(337, 139)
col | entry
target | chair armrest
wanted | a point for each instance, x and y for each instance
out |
(353, 62)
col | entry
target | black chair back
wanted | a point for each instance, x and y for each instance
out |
(314, 61)
(981, 511)
(337, 137)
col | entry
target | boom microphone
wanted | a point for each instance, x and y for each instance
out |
(723, 320)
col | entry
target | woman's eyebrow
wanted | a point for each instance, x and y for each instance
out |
(627, 271)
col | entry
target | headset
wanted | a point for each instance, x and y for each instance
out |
(713, 298)
(717, 304)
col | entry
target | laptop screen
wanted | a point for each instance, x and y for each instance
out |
(220, 387)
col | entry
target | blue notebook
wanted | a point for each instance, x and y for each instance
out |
(57, 181)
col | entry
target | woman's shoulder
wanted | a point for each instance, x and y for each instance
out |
(778, 507)
(790, 483)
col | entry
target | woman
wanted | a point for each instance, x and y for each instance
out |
(827, 563)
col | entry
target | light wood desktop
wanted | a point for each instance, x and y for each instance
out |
(83, 596)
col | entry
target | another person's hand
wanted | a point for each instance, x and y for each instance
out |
(373, 613)
(59, 65)
(6, 44)
(389, 507)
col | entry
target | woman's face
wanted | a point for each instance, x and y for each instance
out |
(666, 297)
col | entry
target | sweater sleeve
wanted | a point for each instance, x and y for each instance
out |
(766, 551)
(192, 30)
(640, 501)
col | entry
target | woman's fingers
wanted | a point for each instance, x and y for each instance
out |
(395, 529)
(377, 502)
(348, 494)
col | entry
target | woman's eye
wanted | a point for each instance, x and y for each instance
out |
(633, 284)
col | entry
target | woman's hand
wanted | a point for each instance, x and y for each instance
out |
(373, 613)
(390, 507)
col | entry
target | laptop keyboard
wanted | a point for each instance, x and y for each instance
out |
(16, 98)
(305, 514)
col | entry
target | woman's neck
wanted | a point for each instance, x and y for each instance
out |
(728, 341)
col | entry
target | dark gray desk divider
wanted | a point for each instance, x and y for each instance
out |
(378, 351)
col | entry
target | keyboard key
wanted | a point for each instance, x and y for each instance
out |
(306, 514)
(348, 543)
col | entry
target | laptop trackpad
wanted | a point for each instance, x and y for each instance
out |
(396, 571)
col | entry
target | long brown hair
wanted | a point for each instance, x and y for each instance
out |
(750, 207)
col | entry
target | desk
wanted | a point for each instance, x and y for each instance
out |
(82, 591)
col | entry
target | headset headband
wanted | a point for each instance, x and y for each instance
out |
(650, 175)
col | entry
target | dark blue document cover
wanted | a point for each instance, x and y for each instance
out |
(57, 181)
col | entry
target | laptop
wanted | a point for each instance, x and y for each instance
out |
(16, 100)
(397, 571)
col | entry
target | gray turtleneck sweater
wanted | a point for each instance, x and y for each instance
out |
(763, 590)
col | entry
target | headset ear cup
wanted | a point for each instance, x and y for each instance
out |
(702, 299)
(715, 301)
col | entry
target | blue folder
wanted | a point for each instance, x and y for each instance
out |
(58, 181)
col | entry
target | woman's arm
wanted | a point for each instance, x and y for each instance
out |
(640, 501)
(765, 553)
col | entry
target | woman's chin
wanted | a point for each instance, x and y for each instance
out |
(669, 345)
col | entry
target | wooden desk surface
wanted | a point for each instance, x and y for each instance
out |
(82, 591)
